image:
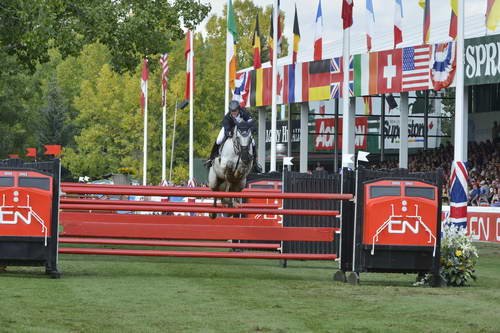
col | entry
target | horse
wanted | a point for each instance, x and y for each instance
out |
(230, 169)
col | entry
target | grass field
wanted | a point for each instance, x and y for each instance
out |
(132, 294)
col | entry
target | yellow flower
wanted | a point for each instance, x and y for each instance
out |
(458, 253)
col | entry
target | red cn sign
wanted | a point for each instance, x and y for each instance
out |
(400, 213)
(25, 204)
(325, 137)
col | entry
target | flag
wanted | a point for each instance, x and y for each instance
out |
(52, 150)
(267, 85)
(242, 88)
(232, 37)
(454, 19)
(421, 3)
(368, 105)
(427, 21)
(164, 73)
(271, 34)
(256, 45)
(318, 34)
(398, 22)
(443, 65)
(366, 74)
(416, 62)
(188, 55)
(347, 13)
(319, 80)
(13, 155)
(492, 14)
(296, 36)
(293, 83)
(458, 194)
(363, 156)
(390, 71)
(370, 21)
(144, 84)
(30, 152)
(337, 77)
(280, 85)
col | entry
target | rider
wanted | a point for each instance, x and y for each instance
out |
(237, 114)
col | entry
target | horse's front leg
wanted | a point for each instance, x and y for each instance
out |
(213, 215)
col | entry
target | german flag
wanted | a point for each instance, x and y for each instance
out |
(319, 80)
(256, 45)
(296, 36)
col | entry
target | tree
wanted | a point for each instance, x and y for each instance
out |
(54, 124)
(131, 29)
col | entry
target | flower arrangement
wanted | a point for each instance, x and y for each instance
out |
(458, 256)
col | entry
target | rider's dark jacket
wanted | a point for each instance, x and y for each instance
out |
(229, 122)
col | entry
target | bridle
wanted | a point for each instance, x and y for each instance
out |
(243, 152)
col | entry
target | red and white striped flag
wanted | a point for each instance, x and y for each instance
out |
(398, 25)
(144, 84)
(164, 73)
(189, 55)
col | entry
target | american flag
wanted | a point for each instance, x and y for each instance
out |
(337, 77)
(416, 67)
(164, 73)
(458, 194)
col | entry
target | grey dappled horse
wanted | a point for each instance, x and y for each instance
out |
(230, 169)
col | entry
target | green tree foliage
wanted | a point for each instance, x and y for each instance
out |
(54, 118)
(130, 29)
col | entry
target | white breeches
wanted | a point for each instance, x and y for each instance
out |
(220, 137)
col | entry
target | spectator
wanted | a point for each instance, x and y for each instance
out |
(474, 195)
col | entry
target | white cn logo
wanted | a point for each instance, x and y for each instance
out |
(400, 224)
(8, 215)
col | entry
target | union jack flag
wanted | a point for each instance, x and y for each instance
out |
(337, 77)
(458, 194)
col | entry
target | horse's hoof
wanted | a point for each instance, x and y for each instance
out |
(212, 215)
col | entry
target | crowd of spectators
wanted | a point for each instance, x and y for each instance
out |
(483, 166)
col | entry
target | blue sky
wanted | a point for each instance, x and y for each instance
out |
(384, 13)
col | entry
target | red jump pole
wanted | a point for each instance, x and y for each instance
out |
(67, 185)
(159, 203)
(303, 212)
(147, 242)
(196, 254)
(209, 194)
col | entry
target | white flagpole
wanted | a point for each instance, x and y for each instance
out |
(191, 112)
(347, 117)
(226, 91)
(460, 112)
(145, 147)
(274, 111)
(164, 140)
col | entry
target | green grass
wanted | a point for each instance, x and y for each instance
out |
(133, 294)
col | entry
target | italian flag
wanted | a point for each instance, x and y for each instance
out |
(232, 36)
(365, 74)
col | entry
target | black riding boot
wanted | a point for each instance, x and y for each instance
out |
(256, 167)
(213, 155)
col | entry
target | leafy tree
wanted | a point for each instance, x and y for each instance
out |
(131, 29)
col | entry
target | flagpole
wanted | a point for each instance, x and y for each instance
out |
(460, 151)
(164, 141)
(274, 111)
(145, 147)
(226, 91)
(347, 117)
(191, 112)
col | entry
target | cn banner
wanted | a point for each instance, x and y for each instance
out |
(483, 223)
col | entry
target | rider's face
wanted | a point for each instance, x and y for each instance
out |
(235, 113)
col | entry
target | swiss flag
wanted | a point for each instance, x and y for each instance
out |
(390, 72)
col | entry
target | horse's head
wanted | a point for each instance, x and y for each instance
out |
(243, 140)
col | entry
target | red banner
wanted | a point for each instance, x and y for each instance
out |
(325, 137)
(483, 223)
